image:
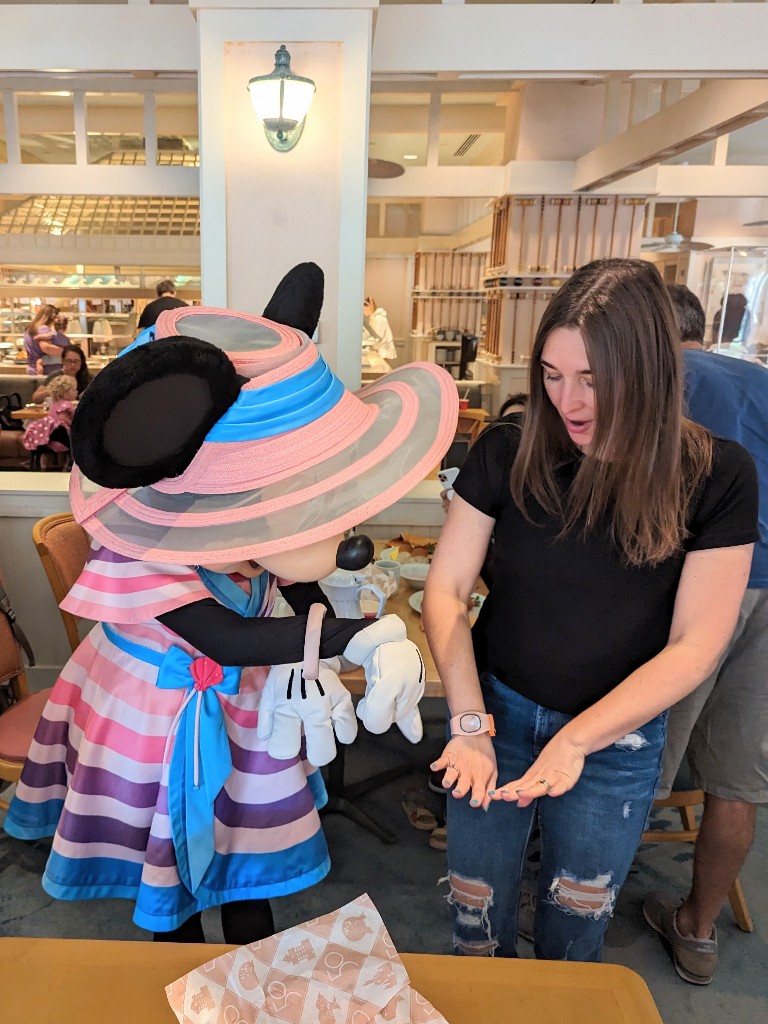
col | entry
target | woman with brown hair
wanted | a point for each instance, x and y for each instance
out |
(624, 535)
(43, 342)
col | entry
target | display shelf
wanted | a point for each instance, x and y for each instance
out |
(448, 293)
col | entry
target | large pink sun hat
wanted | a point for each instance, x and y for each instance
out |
(228, 437)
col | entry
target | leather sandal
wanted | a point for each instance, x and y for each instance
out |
(413, 803)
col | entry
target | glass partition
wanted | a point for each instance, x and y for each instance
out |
(733, 286)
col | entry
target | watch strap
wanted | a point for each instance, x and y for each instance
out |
(487, 724)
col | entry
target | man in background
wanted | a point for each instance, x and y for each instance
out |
(166, 299)
(723, 725)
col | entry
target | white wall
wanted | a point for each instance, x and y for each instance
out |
(388, 280)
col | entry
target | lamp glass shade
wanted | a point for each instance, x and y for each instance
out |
(297, 98)
(265, 97)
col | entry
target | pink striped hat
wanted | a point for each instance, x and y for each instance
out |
(227, 437)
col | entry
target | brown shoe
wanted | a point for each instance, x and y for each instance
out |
(695, 959)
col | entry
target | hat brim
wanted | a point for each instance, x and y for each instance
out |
(313, 483)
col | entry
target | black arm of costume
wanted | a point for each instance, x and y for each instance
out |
(301, 595)
(230, 639)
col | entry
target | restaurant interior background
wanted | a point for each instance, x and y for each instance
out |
(505, 144)
(488, 182)
(521, 138)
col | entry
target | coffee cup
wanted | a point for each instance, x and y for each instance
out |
(463, 403)
(344, 589)
(391, 568)
(372, 600)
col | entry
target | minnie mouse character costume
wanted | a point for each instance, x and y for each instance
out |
(219, 458)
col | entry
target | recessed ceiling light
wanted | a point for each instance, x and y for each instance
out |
(410, 156)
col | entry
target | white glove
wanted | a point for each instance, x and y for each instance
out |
(290, 704)
(394, 674)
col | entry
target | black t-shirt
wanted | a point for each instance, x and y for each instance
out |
(567, 620)
(153, 309)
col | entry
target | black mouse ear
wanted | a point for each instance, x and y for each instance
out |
(145, 415)
(298, 298)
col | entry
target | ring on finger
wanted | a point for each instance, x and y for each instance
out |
(547, 785)
(452, 765)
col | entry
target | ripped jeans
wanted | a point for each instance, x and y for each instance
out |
(588, 838)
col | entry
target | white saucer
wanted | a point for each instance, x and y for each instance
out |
(416, 598)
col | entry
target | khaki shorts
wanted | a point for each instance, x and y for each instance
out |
(723, 725)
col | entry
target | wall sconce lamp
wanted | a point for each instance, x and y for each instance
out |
(281, 101)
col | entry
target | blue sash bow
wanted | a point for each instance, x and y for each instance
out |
(201, 761)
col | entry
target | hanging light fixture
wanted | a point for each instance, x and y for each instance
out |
(281, 101)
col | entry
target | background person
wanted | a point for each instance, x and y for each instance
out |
(73, 364)
(722, 727)
(166, 299)
(42, 342)
(376, 323)
(623, 540)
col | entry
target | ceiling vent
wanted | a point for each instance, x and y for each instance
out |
(466, 145)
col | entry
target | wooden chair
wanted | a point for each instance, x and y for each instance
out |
(686, 800)
(19, 721)
(63, 546)
(472, 422)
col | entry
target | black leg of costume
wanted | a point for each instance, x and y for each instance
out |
(245, 921)
(190, 931)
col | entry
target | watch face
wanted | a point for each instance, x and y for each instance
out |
(470, 723)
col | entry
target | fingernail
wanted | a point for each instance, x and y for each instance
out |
(518, 791)
(433, 767)
(491, 792)
(474, 803)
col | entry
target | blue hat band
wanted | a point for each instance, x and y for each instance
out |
(277, 408)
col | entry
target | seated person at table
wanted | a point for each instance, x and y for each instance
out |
(52, 431)
(73, 365)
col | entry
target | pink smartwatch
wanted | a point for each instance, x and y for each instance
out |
(472, 723)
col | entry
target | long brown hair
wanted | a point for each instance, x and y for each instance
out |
(645, 460)
(43, 317)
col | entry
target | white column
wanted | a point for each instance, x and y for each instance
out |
(11, 115)
(81, 130)
(263, 211)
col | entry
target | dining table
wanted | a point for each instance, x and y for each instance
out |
(95, 981)
(30, 412)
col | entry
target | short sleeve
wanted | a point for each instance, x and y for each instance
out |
(726, 515)
(114, 588)
(484, 478)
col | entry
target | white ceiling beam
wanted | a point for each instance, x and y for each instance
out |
(497, 40)
(710, 111)
(676, 180)
(468, 117)
(440, 182)
(93, 180)
(157, 37)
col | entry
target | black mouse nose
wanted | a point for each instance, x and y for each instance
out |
(355, 552)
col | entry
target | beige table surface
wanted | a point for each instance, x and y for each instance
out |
(79, 981)
(398, 604)
(29, 414)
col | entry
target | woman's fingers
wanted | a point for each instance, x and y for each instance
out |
(467, 773)
(482, 795)
(533, 785)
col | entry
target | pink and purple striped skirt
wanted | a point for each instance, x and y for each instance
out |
(96, 779)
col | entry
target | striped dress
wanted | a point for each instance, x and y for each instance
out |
(100, 771)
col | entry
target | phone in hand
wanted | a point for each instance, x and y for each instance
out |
(447, 478)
